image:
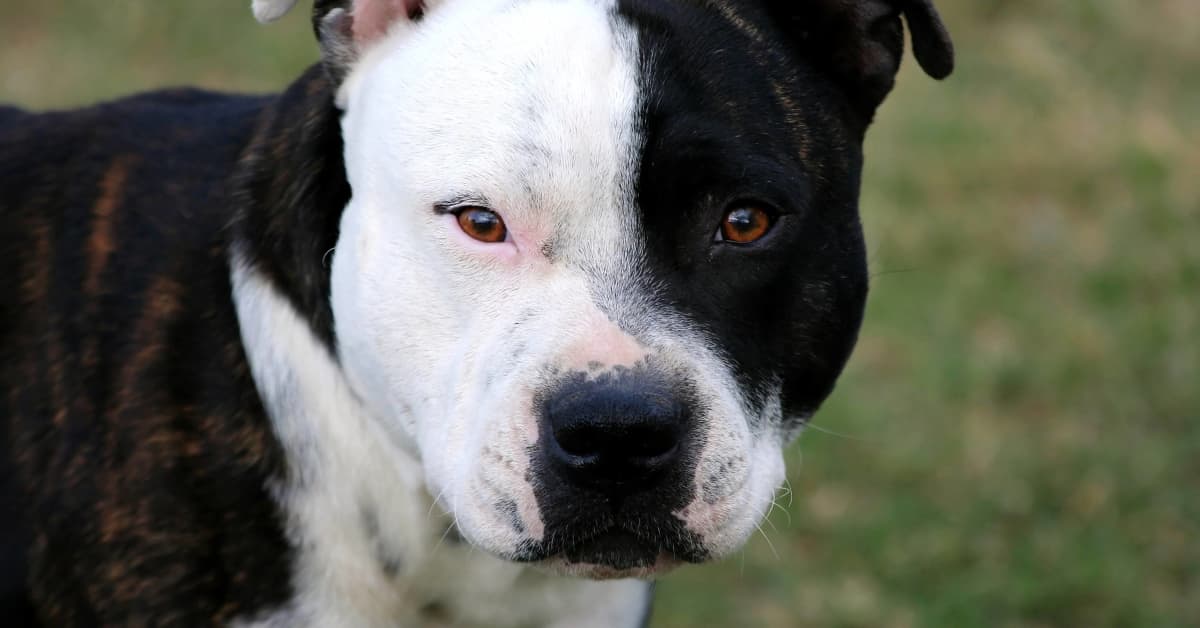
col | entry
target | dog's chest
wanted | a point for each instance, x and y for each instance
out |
(458, 587)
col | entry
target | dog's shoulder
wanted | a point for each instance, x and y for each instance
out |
(131, 425)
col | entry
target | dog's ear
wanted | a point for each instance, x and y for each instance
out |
(345, 28)
(860, 42)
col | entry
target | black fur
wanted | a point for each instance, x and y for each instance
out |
(734, 116)
(742, 108)
(766, 104)
(588, 518)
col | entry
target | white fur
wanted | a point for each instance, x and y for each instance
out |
(532, 108)
(342, 463)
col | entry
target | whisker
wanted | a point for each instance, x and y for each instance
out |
(768, 518)
(894, 271)
(450, 526)
(440, 495)
(814, 426)
(768, 540)
(771, 511)
(774, 503)
(454, 515)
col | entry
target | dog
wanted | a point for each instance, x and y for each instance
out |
(500, 311)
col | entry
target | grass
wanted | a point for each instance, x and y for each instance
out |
(1017, 439)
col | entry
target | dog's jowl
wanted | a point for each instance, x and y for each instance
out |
(501, 310)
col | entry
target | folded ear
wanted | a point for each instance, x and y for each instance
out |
(345, 28)
(860, 42)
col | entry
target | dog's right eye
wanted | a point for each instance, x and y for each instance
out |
(482, 224)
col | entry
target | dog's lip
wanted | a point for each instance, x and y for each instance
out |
(615, 552)
(614, 549)
(659, 567)
(613, 546)
(560, 565)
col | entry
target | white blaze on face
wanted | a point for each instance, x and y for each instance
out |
(530, 108)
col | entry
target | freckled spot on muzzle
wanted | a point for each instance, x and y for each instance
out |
(510, 512)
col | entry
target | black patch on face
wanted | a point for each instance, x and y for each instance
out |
(732, 115)
(626, 522)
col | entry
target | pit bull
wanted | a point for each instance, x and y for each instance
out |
(500, 311)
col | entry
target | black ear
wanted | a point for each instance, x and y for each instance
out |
(859, 43)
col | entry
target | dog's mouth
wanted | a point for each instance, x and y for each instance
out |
(615, 552)
(616, 549)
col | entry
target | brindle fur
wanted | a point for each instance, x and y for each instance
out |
(130, 421)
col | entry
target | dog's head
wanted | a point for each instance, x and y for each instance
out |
(603, 259)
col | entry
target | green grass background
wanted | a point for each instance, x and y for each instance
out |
(1016, 441)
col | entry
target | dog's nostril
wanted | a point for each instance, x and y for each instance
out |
(579, 443)
(591, 439)
(653, 443)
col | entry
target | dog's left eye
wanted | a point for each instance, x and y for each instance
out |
(745, 224)
(482, 224)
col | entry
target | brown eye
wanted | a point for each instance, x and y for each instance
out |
(482, 224)
(744, 225)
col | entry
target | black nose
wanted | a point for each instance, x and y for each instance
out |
(614, 434)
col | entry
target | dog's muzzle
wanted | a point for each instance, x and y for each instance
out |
(614, 461)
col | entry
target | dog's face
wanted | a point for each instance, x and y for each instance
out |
(601, 263)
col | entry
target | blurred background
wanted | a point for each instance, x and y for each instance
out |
(1016, 441)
